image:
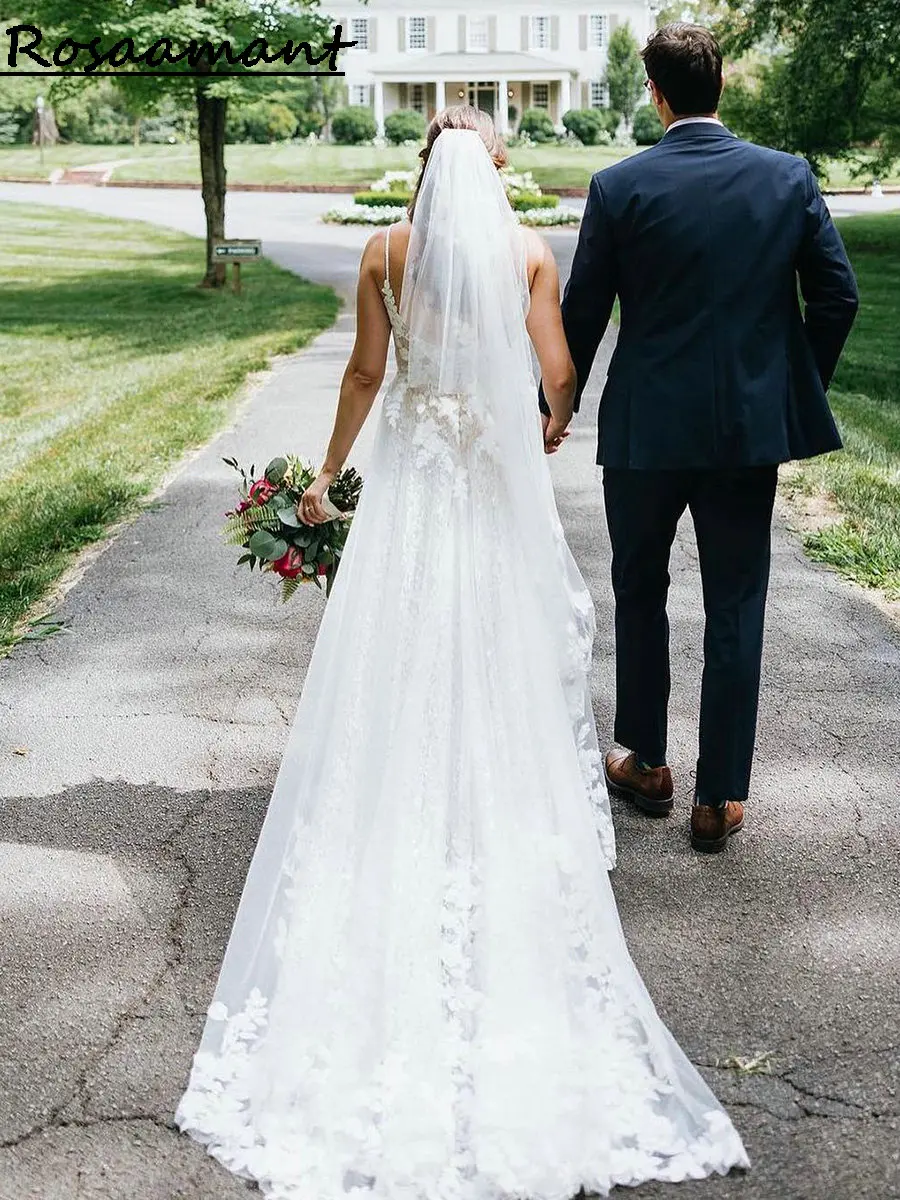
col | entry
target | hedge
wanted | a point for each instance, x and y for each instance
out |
(382, 199)
(526, 201)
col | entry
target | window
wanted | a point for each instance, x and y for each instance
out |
(477, 33)
(599, 94)
(416, 33)
(359, 94)
(359, 32)
(540, 95)
(417, 97)
(540, 33)
(598, 31)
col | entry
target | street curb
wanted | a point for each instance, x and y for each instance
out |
(572, 193)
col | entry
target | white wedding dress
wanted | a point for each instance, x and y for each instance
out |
(426, 994)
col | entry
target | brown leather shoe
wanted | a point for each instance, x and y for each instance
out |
(712, 827)
(650, 791)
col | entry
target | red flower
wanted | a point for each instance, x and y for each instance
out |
(243, 506)
(261, 491)
(288, 566)
(323, 569)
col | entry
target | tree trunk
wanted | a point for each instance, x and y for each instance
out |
(211, 129)
(136, 131)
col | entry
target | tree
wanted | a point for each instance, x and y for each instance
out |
(181, 22)
(624, 73)
(831, 83)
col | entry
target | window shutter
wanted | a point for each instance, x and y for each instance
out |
(403, 95)
(401, 33)
(492, 33)
(525, 39)
(613, 24)
(429, 40)
(585, 94)
(582, 33)
(554, 33)
(526, 95)
(462, 34)
(373, 34)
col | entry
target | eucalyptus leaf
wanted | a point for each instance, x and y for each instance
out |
(275, 470)
(267, 547)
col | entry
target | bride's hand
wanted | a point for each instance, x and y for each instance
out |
(555, 433)
(310, 510)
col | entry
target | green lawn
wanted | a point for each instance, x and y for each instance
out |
(553, 166)
(113, 366)
(863, 481)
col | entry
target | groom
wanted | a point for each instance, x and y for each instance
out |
(717, 377)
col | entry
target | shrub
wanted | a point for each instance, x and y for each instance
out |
(9, 128)
(536, 125)
(404, 125)
(353, 126)
(587, 124)
(647, 129)
(260, 122)
(525, 201)
(382, 199)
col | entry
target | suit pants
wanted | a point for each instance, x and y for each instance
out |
(732, 514)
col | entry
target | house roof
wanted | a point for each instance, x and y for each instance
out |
(485, 65)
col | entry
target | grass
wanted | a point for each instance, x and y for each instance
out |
(863, 481)
(553, 166)
(115, 363)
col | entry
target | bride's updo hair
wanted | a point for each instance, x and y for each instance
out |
(461, 116)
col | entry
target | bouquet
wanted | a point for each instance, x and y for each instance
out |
(266, 526)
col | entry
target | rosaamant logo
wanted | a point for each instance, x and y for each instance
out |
(29, 55)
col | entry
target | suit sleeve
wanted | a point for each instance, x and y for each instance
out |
(591, 291)
(827, 283)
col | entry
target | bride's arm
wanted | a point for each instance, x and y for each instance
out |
(545, 328)
(363, 377)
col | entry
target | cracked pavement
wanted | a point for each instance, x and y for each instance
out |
(153, 728)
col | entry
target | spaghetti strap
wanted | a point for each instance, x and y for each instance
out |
(387, 256)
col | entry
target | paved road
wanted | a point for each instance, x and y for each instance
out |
(154, 728)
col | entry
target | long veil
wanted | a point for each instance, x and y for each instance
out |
(464, 301)
(426, 994)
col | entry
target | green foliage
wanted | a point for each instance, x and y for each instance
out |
(404, 125)
(525, 201)
(352, 126)
(113, 366)
(863, 480)
(383, 199)
(537, 124)
(833, 83)
(589, 125)
(624, 72)
(646, 128)
(260, 121)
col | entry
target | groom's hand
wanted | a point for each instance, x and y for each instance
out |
(555, 433)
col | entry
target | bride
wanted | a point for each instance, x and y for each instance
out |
(426, 994)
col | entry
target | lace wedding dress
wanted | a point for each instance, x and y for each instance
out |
(426, 994)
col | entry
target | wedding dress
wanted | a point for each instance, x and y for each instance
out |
(426, 994)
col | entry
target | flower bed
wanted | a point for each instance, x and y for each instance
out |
(386, 200)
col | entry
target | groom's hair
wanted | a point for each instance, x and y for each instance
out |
(685, 63)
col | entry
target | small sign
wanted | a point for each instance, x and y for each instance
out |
(238, 248)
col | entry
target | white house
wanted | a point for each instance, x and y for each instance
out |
(500, 55)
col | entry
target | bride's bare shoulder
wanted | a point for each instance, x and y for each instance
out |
(536, 251)
(373, 253)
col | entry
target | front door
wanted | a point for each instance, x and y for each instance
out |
(483, 96)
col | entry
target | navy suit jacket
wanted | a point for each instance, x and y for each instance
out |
(704, 239)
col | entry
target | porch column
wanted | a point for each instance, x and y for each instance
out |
(565, 96)
(440, 95)
(503, 105)
(378, 91)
